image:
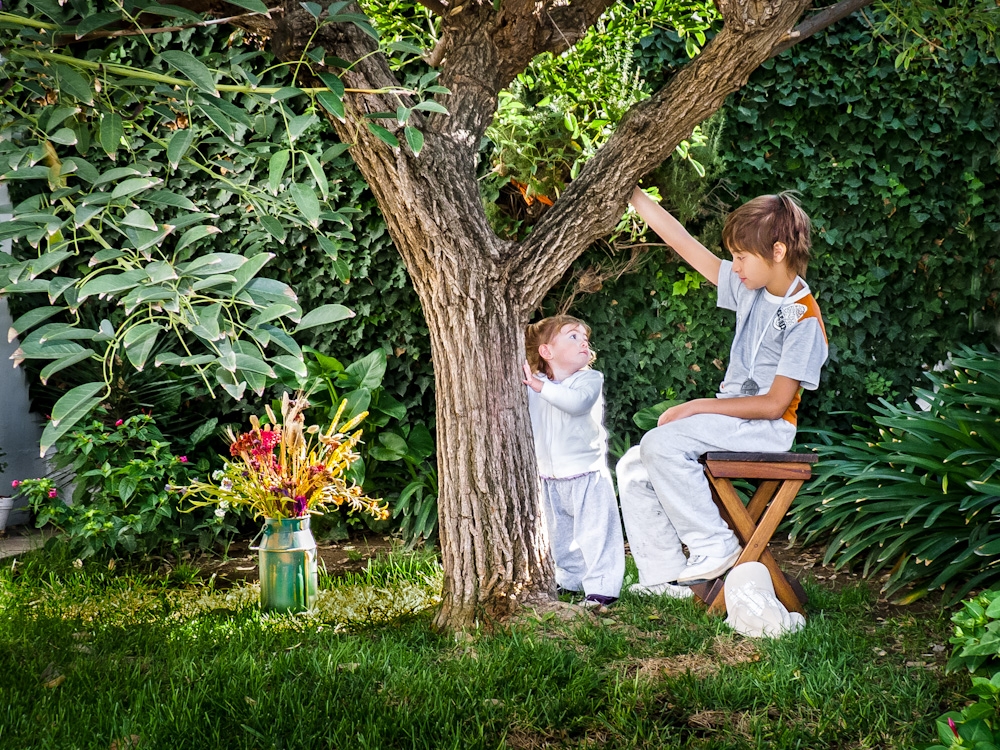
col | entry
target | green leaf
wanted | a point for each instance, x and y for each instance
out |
(318, 174)
(62, 363)
(307, 203)
(116, 174)
(367, 372)
(113, 283)
(178, 146)
(93, 22)
(139, 219)
(333, 83)
(70, 409)
(30, 319)
(421, 442)
(133, 186)
(273, 227)
(252, 5)
(192, 68)
(324, 315)
(112, 131)
(415, 139)
(275, 311)
(218, 118)
(431, 106)
(194, 234)
(126, 487)
(286, 92)
(74, 400)
(298, 125)
(292, 364)
(246, 273)
(64, 137)
(74, 84)
(204, 431)
(384, 135)
(276, 169)
(139, 343)
(169, 198)
(332, 104)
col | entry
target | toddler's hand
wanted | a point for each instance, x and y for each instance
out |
(530, 380)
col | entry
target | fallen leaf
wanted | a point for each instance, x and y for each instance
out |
(55, 681)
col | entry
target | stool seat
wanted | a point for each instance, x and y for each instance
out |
(781, 475)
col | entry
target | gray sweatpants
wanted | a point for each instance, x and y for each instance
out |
(585, 533)
(665, 496)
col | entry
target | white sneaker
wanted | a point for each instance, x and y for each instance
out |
(701, 568)
(662, 589)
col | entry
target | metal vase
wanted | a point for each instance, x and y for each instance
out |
(289, 578)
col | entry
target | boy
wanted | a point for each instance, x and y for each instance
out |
(779, 348)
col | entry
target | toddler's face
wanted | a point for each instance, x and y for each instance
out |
(569, 349)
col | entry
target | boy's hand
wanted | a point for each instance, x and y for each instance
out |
(680, 411)
(531, 380)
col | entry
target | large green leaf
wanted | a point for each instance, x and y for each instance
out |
(113, 283)
(31, 319)
(324, 315)
(367, 372)
(73, 406)
(307, 202)
(191, 68)
(62, 363)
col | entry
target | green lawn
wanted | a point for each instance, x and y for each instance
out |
(96, 659)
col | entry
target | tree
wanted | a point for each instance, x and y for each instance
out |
(478, 290)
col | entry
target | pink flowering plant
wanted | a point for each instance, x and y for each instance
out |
(289, 470)
(127, 493)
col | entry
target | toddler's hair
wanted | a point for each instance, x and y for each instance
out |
(543, 332)
(755, 226)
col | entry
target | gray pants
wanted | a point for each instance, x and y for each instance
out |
(585, 533)
(665, 496)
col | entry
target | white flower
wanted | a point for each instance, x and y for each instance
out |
(224, 505)
(217, 475)
(220, 513)
(226, 484)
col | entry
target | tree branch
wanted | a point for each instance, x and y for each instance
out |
(592, 204)
(159, 30)
(435, 6)
(819, 21)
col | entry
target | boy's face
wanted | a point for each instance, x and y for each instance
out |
(569, 350)
(753, 270)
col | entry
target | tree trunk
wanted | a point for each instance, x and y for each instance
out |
(493, 545)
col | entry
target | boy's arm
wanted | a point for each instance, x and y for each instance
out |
(576, 399)
(771, 405)
(674, 234)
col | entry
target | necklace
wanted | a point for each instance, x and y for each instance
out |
(750, 386)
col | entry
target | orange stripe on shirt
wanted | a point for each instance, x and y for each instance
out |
(812, 311)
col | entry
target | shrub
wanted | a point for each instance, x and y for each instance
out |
(921, 498)
(126, 498)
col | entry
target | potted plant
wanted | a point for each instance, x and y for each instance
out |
(284, 472)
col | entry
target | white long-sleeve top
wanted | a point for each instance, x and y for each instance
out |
(567, 419)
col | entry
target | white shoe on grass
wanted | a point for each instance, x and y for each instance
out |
(661, 589)
(701, 568)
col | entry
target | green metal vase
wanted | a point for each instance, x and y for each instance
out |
(289, 578)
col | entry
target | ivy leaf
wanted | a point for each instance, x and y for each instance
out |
(192, 68)
(307, 202)
(415, 139)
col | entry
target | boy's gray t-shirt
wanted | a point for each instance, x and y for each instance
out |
(794, 344)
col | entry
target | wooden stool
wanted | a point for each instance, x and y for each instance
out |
(782, 475)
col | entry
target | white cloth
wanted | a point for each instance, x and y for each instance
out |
(665, 496)
(752, 606)
(585, 533)
(567, 421)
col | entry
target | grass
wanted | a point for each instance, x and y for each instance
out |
(91, 658)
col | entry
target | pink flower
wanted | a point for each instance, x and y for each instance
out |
(16, 483)
(53, 493)
(951, 725)
(183, 459)
(119, 423)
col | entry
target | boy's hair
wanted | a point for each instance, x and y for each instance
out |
(755, 226)
(543, 332)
